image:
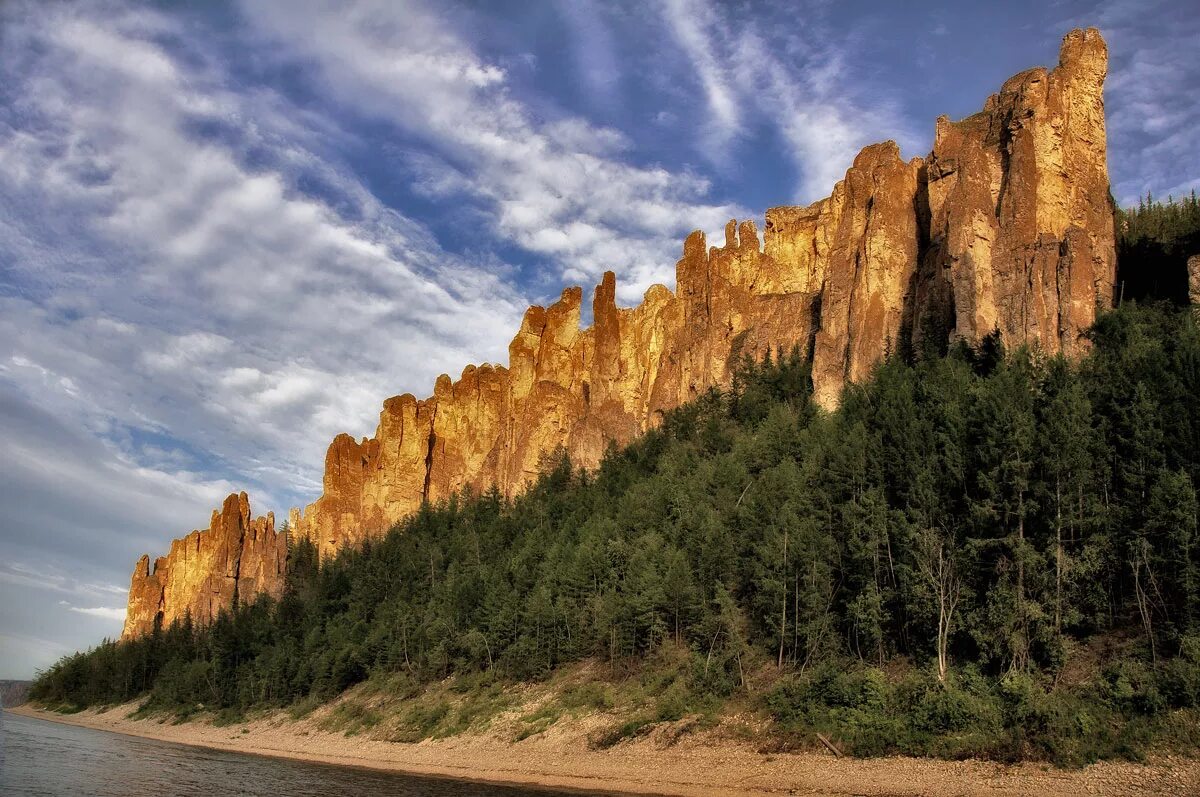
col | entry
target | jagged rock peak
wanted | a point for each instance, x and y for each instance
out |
(1006, 225)
(237, 555)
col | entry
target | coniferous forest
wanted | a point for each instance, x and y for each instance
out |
(981, 552)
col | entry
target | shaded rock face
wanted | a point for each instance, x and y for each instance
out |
(236, 556)
(1007, 225)
(1020, 223)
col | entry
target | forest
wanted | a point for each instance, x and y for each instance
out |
(980, 553)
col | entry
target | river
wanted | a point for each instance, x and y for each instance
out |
(38, 757)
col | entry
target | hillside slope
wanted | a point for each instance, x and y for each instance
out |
(981, 554)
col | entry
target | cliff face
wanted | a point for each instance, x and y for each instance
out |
(1006, 225)
(14, 693)
(579, 389)
(1020, 221)
(235, 555)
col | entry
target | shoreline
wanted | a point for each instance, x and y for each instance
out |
(308, 757)
(691, 768)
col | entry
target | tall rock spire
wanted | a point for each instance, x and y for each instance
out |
(1007, 225)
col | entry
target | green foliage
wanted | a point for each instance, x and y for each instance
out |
(921, 571)
(1154, 241)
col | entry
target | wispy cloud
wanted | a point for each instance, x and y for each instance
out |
(593, 49)
(691, 22)
(202, 291)
(756, 70)
(551, 186)
(22, 574)
(108, 613)
(1152, 97)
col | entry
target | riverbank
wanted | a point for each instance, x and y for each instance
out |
(654, 764)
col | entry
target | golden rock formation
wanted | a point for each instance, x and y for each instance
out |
(1020, 226)
(235, 556)
(1007, 225)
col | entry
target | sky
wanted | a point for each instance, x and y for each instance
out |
(228, 231)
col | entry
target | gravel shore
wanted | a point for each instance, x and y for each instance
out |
(655, 764)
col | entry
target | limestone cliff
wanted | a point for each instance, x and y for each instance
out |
(1007, 225)
(234, 556)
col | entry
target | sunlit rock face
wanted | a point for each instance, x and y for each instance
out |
(1020, 220)
(1007, 225)
(236, 556)
(578, 389)
(1193, 267)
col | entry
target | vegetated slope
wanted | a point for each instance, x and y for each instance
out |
(979, 553)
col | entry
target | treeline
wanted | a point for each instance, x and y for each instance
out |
(1154, 241)
(977, 547)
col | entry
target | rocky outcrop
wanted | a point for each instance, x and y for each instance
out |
(1193, 269)
(236, 557)
(1007, 225)
(1020, 222)
(578, 389)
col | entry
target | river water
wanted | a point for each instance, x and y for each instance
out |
(38, 757)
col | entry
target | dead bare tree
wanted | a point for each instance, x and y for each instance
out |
(936, 565)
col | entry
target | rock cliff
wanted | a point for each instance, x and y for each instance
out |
(235, 557)
(1007, 225)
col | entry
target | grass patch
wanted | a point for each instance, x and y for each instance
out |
(476, 711)
(1123, 711)
(420, 721)
(229, 716)
(302, 708)
(540, 720)
(351, 718)
(615, 734)
(590, 696)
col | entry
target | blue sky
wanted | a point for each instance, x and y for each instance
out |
(229, 231)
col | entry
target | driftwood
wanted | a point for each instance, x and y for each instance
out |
(830, 745)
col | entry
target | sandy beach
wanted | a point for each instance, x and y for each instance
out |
(649, 765)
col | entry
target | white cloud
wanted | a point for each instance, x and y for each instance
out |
(199, 296)
(593, 49)
(756, 70)
(691, 21)
(108, 613)
(554, 185)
